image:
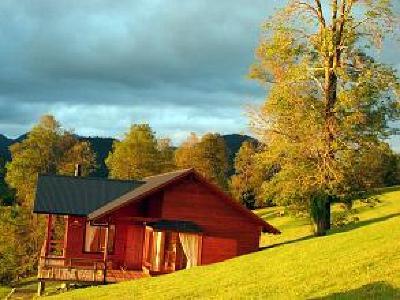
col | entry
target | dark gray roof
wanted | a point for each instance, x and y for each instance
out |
(175, 225)
(151, 183)
(80, 196)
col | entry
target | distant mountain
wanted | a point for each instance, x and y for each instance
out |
(102, 146)
(233, 143)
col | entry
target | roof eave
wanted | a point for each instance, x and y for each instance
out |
(42, 212)
(268, 228)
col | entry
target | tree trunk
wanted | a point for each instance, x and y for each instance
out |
(319, 228)
(323, 225)
(328, 213)
(321, 215)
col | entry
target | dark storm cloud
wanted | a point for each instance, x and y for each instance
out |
(58, 47)
(100, 65)
(144, 58)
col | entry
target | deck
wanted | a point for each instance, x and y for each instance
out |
(79, 270)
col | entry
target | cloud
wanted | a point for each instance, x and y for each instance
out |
(100, 65)
(145, 58)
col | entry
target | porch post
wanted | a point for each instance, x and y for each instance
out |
(48, 233)
(41, 288)
(105, 252)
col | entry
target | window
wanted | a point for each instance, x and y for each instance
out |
(95, 238)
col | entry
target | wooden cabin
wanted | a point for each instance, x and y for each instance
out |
(102, 230)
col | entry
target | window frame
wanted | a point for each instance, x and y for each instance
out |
(111, 251)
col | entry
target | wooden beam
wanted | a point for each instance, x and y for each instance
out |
(48, 233)
(138, 219)
(41, 288)
(105, 256)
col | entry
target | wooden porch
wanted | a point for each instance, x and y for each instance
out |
(159, 247)
(83, 270)
(56, 265)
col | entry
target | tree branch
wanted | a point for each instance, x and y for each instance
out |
(318, 82)
(309, 7)
(320, 13)
(339, 33)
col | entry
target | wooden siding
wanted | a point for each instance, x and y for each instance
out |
(151, 206)
(216, 249)
(74, 243)
(134, 247)
(193, 201)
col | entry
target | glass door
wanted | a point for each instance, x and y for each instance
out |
(168, 251)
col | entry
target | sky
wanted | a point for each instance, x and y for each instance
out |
(100, 65)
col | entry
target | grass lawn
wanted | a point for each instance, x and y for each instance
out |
(4, 291)
(27, 289)
(358, 261)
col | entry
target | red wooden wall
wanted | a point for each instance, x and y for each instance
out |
(232, 233)
(124, 254)
(216, 249)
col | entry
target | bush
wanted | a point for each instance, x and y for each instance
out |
(343, 218)
(20, 241)
(371, 201)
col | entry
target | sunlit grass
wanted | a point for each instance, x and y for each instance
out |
(359, 261)
(4, 291)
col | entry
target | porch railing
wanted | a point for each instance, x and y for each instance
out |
(84, 270)
(56, 247)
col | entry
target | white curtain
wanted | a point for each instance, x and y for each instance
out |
(190, 245)
(158, 240)
(89, 237)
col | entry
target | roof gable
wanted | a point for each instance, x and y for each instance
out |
(67, 195)
(159, 182)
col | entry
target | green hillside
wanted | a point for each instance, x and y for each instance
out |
(358, 261)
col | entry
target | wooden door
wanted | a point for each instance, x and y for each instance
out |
(134, 247)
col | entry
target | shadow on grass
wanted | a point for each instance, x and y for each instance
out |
(380, 191)
(304, 238)
(376, 290)
(24, 283)
(333, 231)
(363, 223)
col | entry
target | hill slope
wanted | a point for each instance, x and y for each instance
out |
(359, 261)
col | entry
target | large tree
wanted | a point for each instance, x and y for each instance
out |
(48, 148)
(166, 160)
(7, 196)
(139, 154)
(329, 98)
(208, 155)
(245, 184)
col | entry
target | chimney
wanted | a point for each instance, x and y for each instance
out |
(78, 170)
